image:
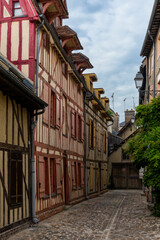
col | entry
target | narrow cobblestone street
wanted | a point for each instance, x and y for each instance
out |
(116, 215)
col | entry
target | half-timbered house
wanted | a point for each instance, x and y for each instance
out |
(17, 105)
(96, 138)
(33, 38)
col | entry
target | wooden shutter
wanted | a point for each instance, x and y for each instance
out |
(82, 174)
(73, 126)
(45, 97)
(94, 135)
(59, 176)
(90, 133)
(58, 112)
(99, 138)
(104, 141)
(82, 129)
(53, 175)
(91, 176)
(46, 176)
(41, 173)
(74, 182)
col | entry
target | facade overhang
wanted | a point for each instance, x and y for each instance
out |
(54, 8)
(69, 39)
(82, 62)
(152, 29)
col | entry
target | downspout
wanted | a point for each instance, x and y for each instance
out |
(85, 152)
(33, 125)
(154, 95)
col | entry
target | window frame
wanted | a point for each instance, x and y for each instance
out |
(18, 179)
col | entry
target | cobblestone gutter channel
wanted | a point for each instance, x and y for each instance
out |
(116, 215)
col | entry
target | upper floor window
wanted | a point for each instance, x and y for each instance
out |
(46, 41)
(17, 11)
(64, 69)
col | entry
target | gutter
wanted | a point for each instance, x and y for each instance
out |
(149, 26)
(33, 125)
(154, 51)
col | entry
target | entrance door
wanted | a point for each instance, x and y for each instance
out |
(125, 176)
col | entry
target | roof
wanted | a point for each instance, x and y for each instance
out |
(100, 90)
(92, 76)
(81, 58)
(70, 38)
(124, 127)
(14, 84)
(152, 28)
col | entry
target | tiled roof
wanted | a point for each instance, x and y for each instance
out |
(81, 58)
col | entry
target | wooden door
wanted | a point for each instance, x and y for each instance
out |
(125, 176)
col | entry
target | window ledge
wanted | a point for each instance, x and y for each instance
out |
(54, 195)
(20, 16)
(46, 196)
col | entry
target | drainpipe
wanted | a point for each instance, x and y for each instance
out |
(33, 125)
(85, 152)
(154, 95)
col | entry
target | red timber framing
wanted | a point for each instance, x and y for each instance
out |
(60, 85)
(19, 31)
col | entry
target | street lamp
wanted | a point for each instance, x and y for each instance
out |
(138, 80)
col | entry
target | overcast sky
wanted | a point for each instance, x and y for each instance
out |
(112, 33)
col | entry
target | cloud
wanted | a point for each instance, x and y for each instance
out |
(112, 34)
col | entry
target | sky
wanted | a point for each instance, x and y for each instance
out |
(112, 33)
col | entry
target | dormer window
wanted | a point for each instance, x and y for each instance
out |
(17, 11)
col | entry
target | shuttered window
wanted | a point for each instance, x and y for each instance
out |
(104, 141)
(53, 176)
(15, 177)
(58, 112)
(43, 176)
(45, 98)
(99, 138)
(73, 123)
(92, 134)
(79, 127)
(79, 175)
(74, 175)
(53, 109)
(59, 176)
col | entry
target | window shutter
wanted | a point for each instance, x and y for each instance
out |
(74, 182)
(94, 135)
(82, 174)
(73, 123)
(90, 133)
(59, 176)
(99, 138)
(58, 112)
(45, 97)
(91, 176)
(104, 141)
(53, 175)
(41, 168)
(82, 129)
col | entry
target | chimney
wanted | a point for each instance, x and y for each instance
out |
(129, 114)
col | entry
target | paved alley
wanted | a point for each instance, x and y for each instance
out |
(116, 215)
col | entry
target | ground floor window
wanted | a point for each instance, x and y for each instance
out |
(15, 177)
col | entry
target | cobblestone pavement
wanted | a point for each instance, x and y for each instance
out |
(116, 215)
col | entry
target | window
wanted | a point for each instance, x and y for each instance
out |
(104, 141)
(15, 178)
(64, 69)
(53, 109)
(151, 64)
(158, 52)
(46, 41)
(79, 127)
(45, 98)
(17, 11)
(73, 123)
(53, 175)
(64, 115)
(91, 134)
(79, 175)
(43, 176)
(99, 138)
(74, 176)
